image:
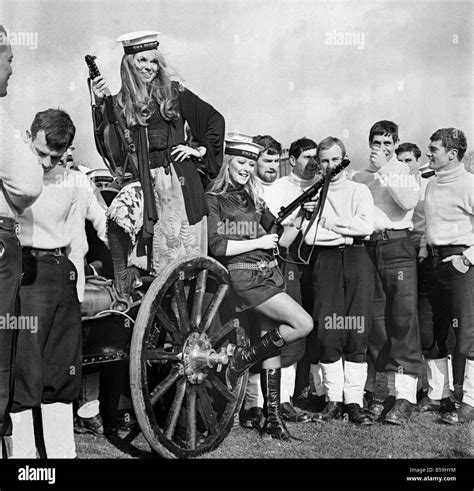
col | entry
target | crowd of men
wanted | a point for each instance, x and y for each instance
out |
(383, 261)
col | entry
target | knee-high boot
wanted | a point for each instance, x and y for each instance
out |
(119, 243)
(268, 346)
(274, 425)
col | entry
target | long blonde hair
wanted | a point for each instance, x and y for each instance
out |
(222, 182)
(136, 97)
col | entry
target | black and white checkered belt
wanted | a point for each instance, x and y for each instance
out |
(260, 266)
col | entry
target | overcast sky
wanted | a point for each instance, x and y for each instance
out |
(270, 67)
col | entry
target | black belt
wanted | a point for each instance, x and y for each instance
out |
(447, 250)
(34, 251)
(8, 224)
(389, 234)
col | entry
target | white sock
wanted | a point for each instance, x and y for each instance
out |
(58, 430)
(355, 375)
(287, 387)
(89, 409)
(405, 386)
(253, 391)
(468, 384)
(316, 379)
(333, 378)
(437, 372)
(23, 435)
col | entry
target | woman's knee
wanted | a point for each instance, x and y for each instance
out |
(304, 323)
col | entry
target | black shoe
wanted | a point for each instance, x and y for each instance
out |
(400, 412)
(311, 402)
(252, 418)
(445, 405)
(273, 424)
(464, 414)
(92, 425)
(358, 415)
(289, 413)
(333, 410)
(378, 409)
(125, 424)
(243, 358)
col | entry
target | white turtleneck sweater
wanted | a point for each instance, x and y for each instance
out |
(57, 217)
(395, 191)
(348, 213)
(449, 210)
(283, 191)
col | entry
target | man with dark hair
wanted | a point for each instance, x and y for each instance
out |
(449, 244)
(20, 185)
(48, 362)
(394, 342)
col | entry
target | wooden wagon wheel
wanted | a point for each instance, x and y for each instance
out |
(184, 334)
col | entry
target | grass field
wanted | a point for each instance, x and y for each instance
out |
(423, 437)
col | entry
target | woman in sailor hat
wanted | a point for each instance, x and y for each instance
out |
(237, 239)
(166, 201)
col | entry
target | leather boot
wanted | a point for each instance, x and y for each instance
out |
(119, 243)
(268, 346)
(273, 424)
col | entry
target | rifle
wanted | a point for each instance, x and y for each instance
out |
(104, 147)
(273, 225)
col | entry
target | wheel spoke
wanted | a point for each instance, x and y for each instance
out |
(167, 323)
(182, 305)
(191, 417)
(160, 354)
(207, 412)
(220, 387)
(199, 292)
(214, 306)
(164, 386)
(175, 409)
(223, 331)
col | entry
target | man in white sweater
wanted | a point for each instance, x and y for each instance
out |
(449, 241)
(20, 184)
(342, 288)
(48, 361)
(394, 343)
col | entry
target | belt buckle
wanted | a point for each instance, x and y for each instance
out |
(57, 252)
(262, 265)
(384, 235)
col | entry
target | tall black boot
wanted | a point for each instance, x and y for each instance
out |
(268, 346)
(274, 424)
(119, 243)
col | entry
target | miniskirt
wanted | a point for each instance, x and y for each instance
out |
(252, 288)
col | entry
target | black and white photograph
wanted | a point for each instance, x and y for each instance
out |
(236, 244)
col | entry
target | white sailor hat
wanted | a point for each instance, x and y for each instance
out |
(242, 145)
(134, 42)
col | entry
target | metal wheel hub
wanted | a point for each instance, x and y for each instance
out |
(198, 355)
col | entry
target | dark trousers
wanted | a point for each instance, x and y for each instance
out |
(342, 311)
(452, 300)
(48, 362)
(394, 342)
(10, 277)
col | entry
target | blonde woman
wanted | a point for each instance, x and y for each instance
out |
(160, 215)
(237, 239)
